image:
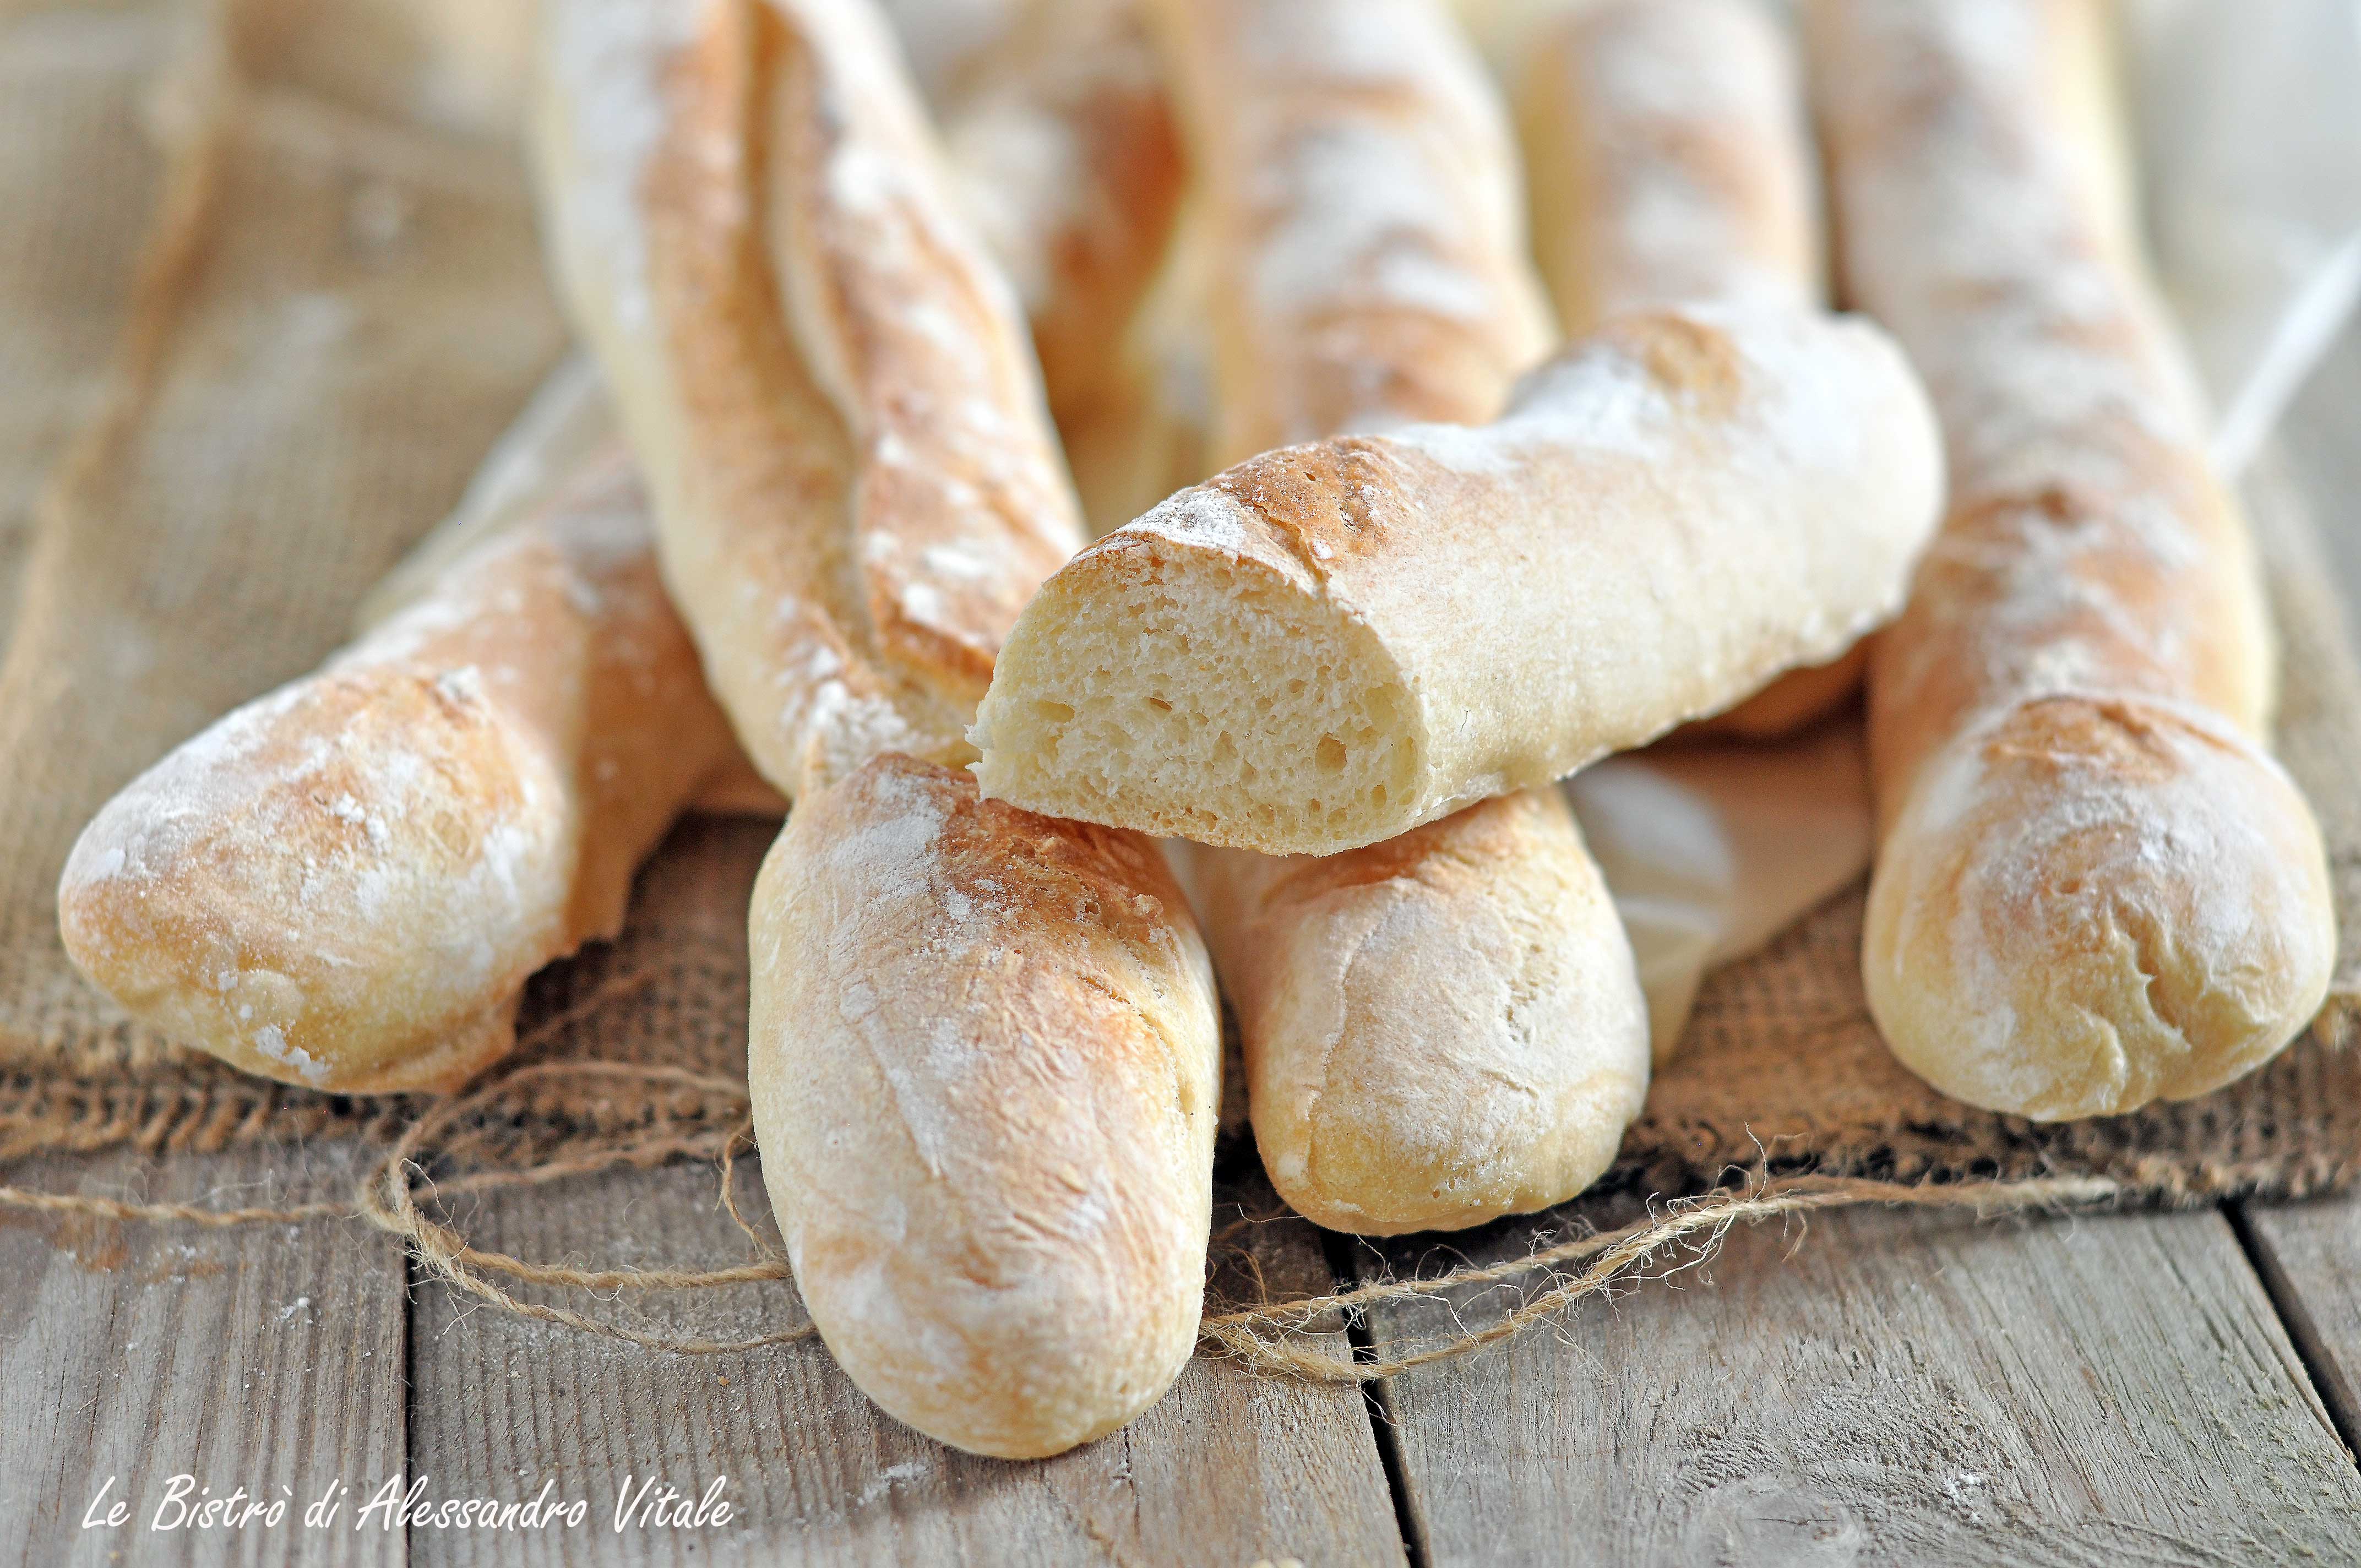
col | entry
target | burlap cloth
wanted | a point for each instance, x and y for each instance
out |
(261, 316)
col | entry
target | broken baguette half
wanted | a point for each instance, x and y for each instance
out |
(1333, 643)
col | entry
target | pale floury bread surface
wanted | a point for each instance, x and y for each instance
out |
(985, 1053)
(1668, 161)
(986, 1065)
(1668, 158)
(1360, 187)
(1059, 133)
(1446, 1026)
(827, 384)
(1333, 643)
(345, 884)
(2094, 887)
(1439, 1029)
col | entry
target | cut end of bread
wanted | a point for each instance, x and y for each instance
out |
(1186, 676)
(2094, 903)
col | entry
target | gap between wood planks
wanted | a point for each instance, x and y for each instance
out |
(2280, 1295)
(2320, 1366)
(1378, 1404)
(1343, 1256)
(412, 1279)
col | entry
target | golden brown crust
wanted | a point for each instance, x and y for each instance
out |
(2093, 886)
(2088, 545)
(345, 884)
(1368, 236)
(749, 464)
(984, 1051)
(918, 340)
(984, 1061)
(1794, 702)
(1063, 148)
(1956, 651)
(1323, 505)
(827, 386)
(1061, 137)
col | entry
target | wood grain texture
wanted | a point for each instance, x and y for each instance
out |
(2308, 1256)
(1226, 1470)
(267, 1356)
(1904, 1387)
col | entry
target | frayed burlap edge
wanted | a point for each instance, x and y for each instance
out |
(437, 1151)
(1289, 1338)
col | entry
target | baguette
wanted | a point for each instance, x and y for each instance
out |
(828, 376)
(569, 425)
(1446, 1026)
(345, 884)
(989, 1067)
(1668, 162)
(1365, 214)
(826, 383)
(1062, 145)
(1437, 1030)
(1668, 159)
(1333, 643)
(1064, 154)
(2093, 886)
(1145, 432)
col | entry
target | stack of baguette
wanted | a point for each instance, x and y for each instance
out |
(800, 527)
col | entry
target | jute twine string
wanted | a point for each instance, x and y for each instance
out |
(1687, 1233)
(1295, 1338)
(389, 1193)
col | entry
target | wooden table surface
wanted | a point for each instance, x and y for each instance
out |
(2145, 1389)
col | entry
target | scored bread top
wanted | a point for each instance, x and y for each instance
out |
(1068, 165)
(2093, 885)
(961, 503)
(2082, 503)
(825, 381)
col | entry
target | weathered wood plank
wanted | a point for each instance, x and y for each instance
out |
(267, 1356)
(1915, 1387)
(2310, 1256)
(1228, 1469)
